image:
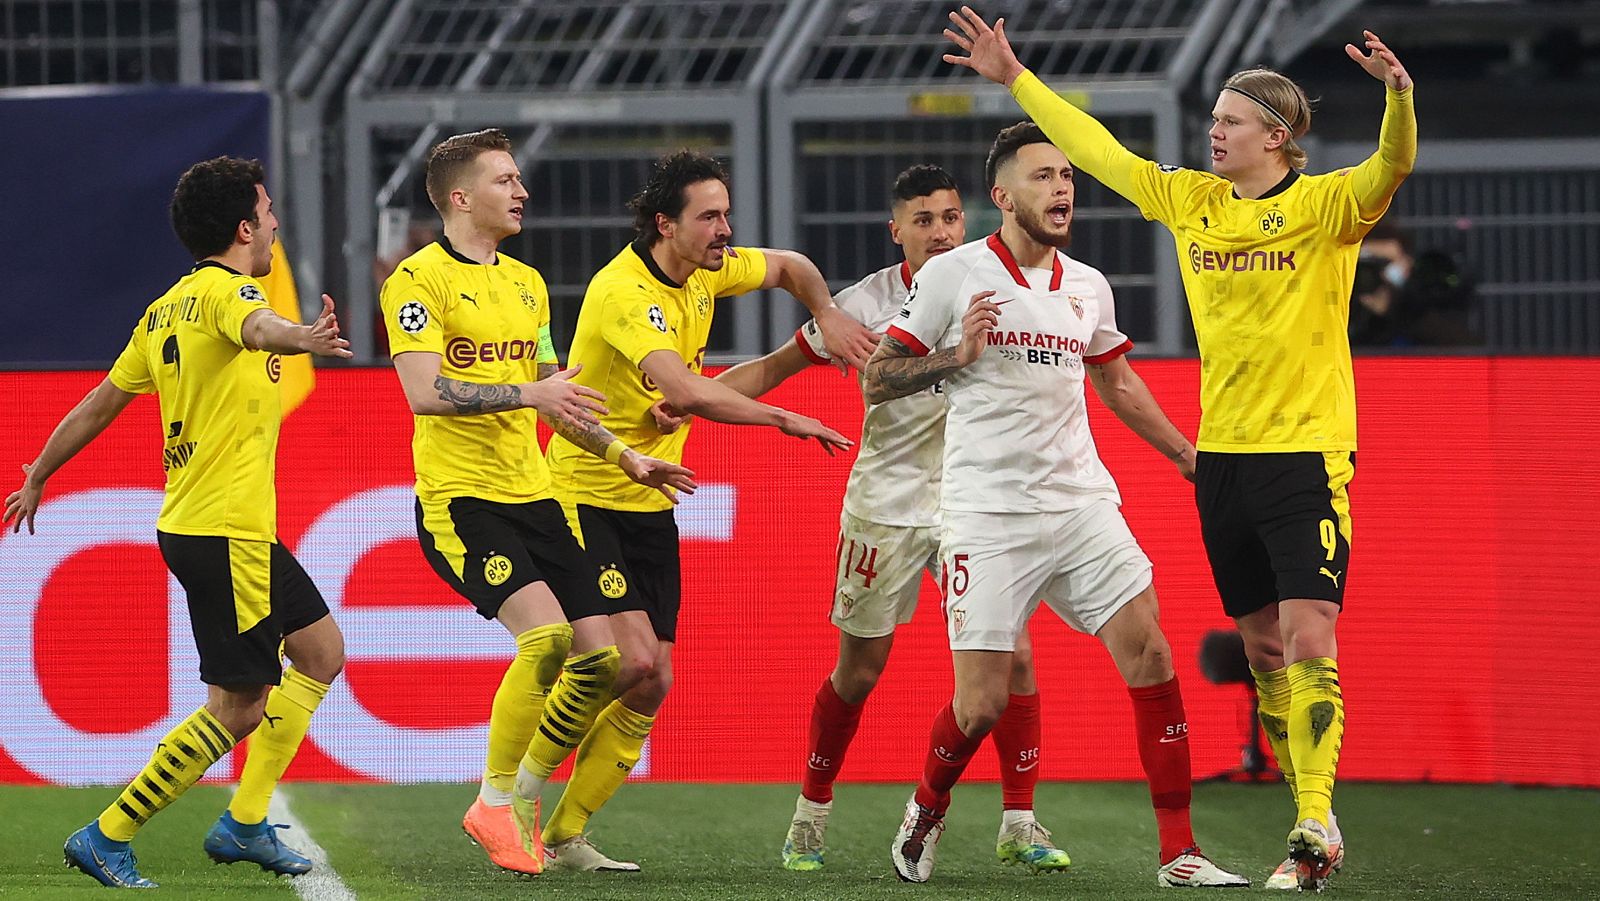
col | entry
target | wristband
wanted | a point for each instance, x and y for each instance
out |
(615, 450)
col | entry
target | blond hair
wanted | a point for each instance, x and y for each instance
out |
(1281, 104)
(451, 160)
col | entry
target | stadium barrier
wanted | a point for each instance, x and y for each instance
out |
(1465, 645)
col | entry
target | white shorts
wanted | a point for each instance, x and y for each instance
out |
(880, 574)
(1084, 564)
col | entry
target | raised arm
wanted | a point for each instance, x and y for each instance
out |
(845, 338)
(1126, 395)
(266, 330)
(79, 427)
(1080, 136)
(1379, 176)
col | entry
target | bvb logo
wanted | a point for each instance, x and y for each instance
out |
(496, 570)
(702, 303)
(612, 583)
(1272, 223)
(528, 300)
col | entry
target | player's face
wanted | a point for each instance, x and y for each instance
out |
(929, 225)
(265, 231)
(1036, 187)
(496, 195)
(1240, 141)
(701, 232)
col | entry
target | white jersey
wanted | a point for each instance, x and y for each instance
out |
(1017, 432)
(895, 480)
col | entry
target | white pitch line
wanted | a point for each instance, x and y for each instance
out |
(323, 882)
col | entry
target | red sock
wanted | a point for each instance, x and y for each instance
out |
(1163, 731)
(1016, 740)
(833, 725)
(949, 751)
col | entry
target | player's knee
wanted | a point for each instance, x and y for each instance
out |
(324, 666)
(632, 671)
(977, 715)
(853, 683)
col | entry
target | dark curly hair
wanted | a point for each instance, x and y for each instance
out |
(1006, 144)
(211, 199)
(920, 181)
(664, 192)
(453, 157)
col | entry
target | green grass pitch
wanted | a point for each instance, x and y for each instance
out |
(721, 842)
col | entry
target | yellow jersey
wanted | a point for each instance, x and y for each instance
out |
(490, 325)
(219, 404)
(630, 310)
(1268, 280)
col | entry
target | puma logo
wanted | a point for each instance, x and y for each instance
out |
(1331, 574)
(1205, 223)
(407, 271)
(469, 299)
(271, 721)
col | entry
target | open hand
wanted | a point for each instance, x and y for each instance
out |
(324, 340)
(1381, 63)
(988, 52)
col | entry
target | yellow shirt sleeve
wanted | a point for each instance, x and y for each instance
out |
(412, 307)
(224, 309)
(1087, 143)
(1375, 180)
(633, 322)
(131, 371)
(743, 270)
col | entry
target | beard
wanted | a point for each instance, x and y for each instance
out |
(1035, 227)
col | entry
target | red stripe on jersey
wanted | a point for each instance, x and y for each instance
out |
(805, 348)
(909, 340)
(905, 273)
(1010, 262)
(1108, 356)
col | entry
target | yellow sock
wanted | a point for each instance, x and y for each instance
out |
(580, 694)
(1316, 730)
(518, 704)
(1272, 696)
(274, 743)
(180, 759)
(605, 758)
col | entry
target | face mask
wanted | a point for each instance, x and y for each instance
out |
(1394, 274)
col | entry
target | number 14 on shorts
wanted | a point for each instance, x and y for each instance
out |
(857, 558)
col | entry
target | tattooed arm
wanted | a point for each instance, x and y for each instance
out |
(895, 370)
(430, 393)
(667, 478)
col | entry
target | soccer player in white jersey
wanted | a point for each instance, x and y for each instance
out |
(1012, 325)
(888, 536)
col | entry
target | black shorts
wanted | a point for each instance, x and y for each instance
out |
(1276, 526)
(487, 551)
(634, 560)
(244, 597)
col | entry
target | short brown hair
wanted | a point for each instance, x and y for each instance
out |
(1011, 139)
(451, 158)
(1281, 96)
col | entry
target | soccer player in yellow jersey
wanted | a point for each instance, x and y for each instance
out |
(1268, 256)
(469, 329)
(210, 348)
(641, 338)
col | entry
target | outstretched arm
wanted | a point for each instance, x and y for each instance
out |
(846, 339)
(1126, 395)
(692, 393)
(266, 330)
(79, 427)
(1379, 176)
(1080, 136)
